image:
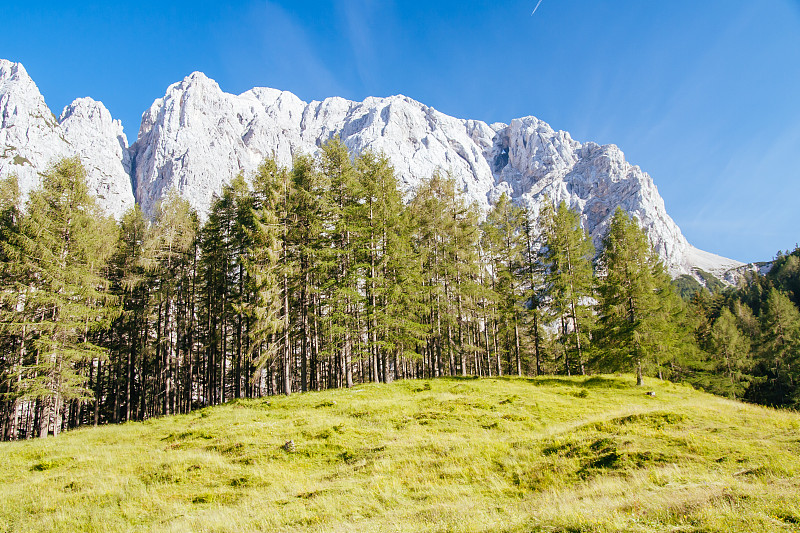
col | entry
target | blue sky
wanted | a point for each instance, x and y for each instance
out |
(704, 96)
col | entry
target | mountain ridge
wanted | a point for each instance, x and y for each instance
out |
(32, 138)
(197, 137)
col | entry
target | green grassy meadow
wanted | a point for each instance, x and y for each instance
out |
(545, 454)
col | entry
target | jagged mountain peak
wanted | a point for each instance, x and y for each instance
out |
(32, 139)
(90, 110)
(14, 72)
(197, 137)
(21, 103)
(200, 145)
(195, 79)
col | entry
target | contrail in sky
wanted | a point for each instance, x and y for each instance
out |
(537, 7)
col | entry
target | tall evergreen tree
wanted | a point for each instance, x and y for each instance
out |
(779, 351)
(533, 272)
(503, 241)
(12, 340)
(224, 245)
(446, 237)
(343, 295)
(567, 255)
(731, 349)
(129, 342)
(310, 250)
(62, 247)
(636, 300)
(268, 266)
(388, 268)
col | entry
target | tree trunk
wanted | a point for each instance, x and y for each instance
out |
(516, 347)
(639, 376)
(287, 373)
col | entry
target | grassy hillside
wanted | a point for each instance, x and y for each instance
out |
(558, 454)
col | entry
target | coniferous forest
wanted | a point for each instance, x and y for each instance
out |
(323, 276)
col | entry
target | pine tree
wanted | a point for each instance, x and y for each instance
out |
(446, 236)
(224, 244)
(168, 258)
(130, 282)
(637, 303)
(780, 349)
(384, 253)
(310, 251)
(62, 248)
(343, 296)
(785, 275)
(463, 283)
(567, 255)
(268, 266)
(731, 349)
(533, 272)
(401, 298)
(13, 342)
(503, 242)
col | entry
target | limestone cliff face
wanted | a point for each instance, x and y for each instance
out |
(533, 162)
(32, 138)
(103, 148)
(196, 138)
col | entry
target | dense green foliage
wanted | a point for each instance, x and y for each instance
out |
(637, 306)
(750, 336)
(590, 454)
(320, 277)
(55, 299)
(567, 253)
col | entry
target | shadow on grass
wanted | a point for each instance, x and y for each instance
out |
(609, 383)
(593, 381)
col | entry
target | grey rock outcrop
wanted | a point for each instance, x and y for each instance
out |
(32, 138)
(196, 138)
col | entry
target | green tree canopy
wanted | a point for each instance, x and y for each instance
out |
(567, 255)
(61, 286)
(637, 305)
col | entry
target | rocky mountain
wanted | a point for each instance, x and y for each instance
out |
(32, 138)
(196, 138)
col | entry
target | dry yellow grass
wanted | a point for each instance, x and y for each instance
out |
(549, 454)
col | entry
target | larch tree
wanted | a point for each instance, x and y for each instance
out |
(129, 343)
(445, 238)
(780, 348)
(344, 197)
(62, 246)
(731, 348)
(268, 266)
(13, 341)
(635, 299)
(567, 255)
(218, 270)
(169, 253)
(503, 242)
(308, 248)
(533, 272)
(382, 243)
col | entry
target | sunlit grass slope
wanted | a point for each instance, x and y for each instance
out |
(566, 454)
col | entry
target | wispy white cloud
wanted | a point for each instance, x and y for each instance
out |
(362, 19)
(268, 39)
